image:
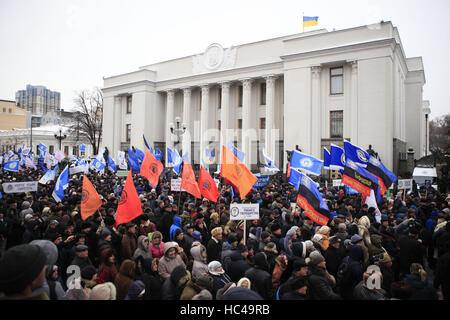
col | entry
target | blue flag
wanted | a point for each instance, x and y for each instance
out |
(80, 162)
(42, 148)
(157, 154)
(11, 166)
(134, 165)
(174, 159)
(112, 164)
(306, 163)
(326, 158)
(61, 184)
(145, 142)
(98, 165)
(311, 192)
(268, 163)
(337, 158)
(294, 178)
(82, 147)
(355, 154)
(239, 154)
(140, 155)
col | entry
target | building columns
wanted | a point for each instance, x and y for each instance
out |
(315, 113)
(224, 117)
(204, 114)
(186, 121)
(270, 105)
(354, 103)
(169, 119)
(246, 120)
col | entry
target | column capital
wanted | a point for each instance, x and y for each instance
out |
(225, 84)
(170, 92)
(270, 79)
(186, 90)
(315, 70)
(354, 65)
(247, 83)
(205, 88)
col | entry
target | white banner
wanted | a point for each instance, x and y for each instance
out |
(175, 185)
(405, 184)
(338, 183)
(19, 187)
(241, 211)
(78, 169)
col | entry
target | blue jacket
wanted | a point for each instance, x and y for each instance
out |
(173, 228)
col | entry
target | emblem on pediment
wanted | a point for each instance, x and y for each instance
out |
(214, 58)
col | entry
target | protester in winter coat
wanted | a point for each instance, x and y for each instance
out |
(320, 285)
(104, 291)
(298, 290)
(214, 246)
(354, 273)
(175, 226)
(124, 278)
(107, 270)
(281, 264)
(334, 255)
(136, 291)
(195, 285)
(143, 248)
(238, 266)
(170, 260)
(129, 241)
(199, 266)
(260, 277)
(375, 247)
(151, 279)
(421, 285)
(220, 278)
(367, 289)
(174, 285)
(442, 276)
(157, 245)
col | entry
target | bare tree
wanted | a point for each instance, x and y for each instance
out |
(440, 134)
(89, 116)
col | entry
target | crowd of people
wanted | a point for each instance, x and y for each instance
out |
(189, 249)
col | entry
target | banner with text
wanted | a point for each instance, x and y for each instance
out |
(19, 187)
(241, 211)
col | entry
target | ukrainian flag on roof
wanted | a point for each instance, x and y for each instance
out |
(310, 21)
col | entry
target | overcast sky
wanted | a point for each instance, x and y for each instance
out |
(69, 46)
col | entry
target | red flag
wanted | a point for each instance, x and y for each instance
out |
(151, 168)
(236, 172)
(288, 172)
(207, 185)
(90, 200)
(129, 204)
(188, 182)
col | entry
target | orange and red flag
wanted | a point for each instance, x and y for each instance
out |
(151, 168)
(129, 204)
(207, 185)
(236, 172)
(90, 200)
(188, 182)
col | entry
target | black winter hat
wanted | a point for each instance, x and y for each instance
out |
(298, 264)
(298, 283)
(88, 272)
(20, 266)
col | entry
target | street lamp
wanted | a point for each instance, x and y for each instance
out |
(178, 131)
(60, 137)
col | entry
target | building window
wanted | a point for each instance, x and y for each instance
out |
(9, 110)
(337, 80)
(128, 132)
(239, 126)
(129, 103)
(336, 124)
(66, 150)
(262, 123)
(74, 151)
(262, 94)
(240, 95)
(4, 110)
(51, 149)
(219, 102)
(219, 125)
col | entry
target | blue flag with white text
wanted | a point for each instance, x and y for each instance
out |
(355, 154)
(61, 184)
(337, 158)
(306, 163)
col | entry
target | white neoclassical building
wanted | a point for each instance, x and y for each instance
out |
(302, 91)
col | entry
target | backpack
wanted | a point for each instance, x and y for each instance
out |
(344, 274)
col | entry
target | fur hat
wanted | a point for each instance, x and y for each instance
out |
(264, 235)
(315, 258)
(239, 284)
(213, 266)
(308, 244)
(104, 291)
(298, 264)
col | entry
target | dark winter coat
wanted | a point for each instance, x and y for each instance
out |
(237, 267)
(422, 290)
(362, 293)
(214, 250)
(219, 281)
(411, 251)
(356, 269)
(319, 287)
(260, 278)
(442, 275)
(333, 257)
(153, 282)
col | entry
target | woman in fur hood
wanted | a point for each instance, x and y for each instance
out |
(363, 231)
(143, 250)
(170, 260)
(200, 260)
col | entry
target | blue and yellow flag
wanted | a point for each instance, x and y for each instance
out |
(310, 21)
(145, 142)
